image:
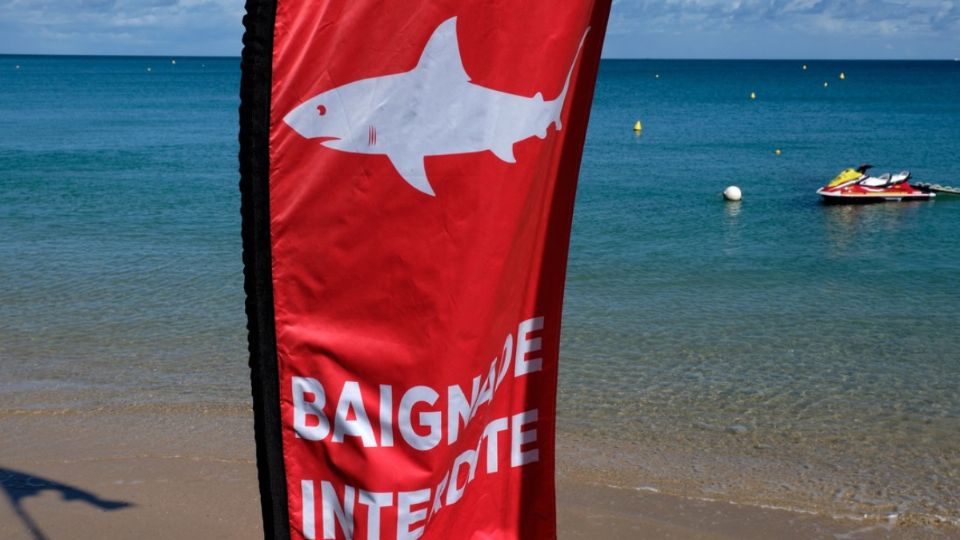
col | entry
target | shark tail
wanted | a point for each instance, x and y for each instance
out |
(561, 99)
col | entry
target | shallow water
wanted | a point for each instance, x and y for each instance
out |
(778, 330)
(121, 247)
(773, 350)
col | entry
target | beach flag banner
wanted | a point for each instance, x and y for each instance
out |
(408, 172)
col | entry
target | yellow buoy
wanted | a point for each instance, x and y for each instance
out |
(777, 152)
(843, 76)
(753, 95)
(638, 127)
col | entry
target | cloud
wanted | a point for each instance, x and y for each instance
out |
(644, 28)
(849, 26)
(121, 26)
(814, 16)
(100, 5)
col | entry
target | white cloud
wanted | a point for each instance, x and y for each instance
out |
(665, 28)
(784, 28)
(824, 15)
(121, 26)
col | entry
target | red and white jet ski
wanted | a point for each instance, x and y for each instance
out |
(856, 186)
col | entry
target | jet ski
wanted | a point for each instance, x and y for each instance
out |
(856, 186)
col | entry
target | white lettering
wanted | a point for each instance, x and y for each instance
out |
(459, 408)
(350, 398)
(455, 491)
(406, 518)
(386, 415)
(518, 438)
(507, 356)
(334, 512)
(375, 501)
(306, 503)
(486, 391)
(491, 434)
(527, 345)
(438, 494)
(308, 401)
(432, 420)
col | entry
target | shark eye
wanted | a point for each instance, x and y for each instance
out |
(322, 110)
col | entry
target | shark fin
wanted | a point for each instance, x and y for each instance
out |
(442, 52)
(413, 171)
(505, 152)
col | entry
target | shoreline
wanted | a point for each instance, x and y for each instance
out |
(762, 480)
(187, 471)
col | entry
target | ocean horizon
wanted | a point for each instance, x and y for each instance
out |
(775, 351)
(605, 58)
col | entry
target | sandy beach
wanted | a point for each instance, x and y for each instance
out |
(189, 472)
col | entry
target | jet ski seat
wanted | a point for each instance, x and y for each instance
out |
(877, 181)
(900, 177)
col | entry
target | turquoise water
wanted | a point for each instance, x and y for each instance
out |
(120, 252)
(817, 347)
(776, 350)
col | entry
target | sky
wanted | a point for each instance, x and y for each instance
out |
(800, 29)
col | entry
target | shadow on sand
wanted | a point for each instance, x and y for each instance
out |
(20, 485)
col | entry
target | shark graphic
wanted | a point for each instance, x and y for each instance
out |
(431, 110)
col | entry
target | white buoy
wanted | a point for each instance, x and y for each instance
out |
(18, 66)
(732, 193)
(174, 62)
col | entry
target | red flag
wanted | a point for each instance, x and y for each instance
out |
(408, 178)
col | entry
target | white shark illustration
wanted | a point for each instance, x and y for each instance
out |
(431, 110)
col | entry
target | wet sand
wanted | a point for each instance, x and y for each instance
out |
(189, 471)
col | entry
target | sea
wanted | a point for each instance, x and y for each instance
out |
(776, 351)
